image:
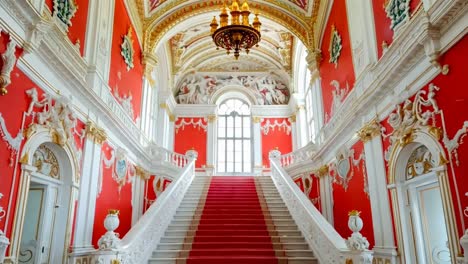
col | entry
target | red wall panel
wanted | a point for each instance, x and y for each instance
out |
(191, 136)
(353, 198)
(344, 72)
(112, 198)
(127, 82)
(275, 138)
(383, 31)
(77, 31)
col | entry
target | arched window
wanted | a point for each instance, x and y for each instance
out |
(234, 137)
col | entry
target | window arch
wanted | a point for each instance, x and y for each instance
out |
(234, 137)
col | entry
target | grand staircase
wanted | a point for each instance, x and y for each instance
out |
(227, 220)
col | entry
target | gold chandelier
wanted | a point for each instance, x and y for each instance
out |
(238, 35)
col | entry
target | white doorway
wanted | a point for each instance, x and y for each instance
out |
(423, 220)
(46, 223)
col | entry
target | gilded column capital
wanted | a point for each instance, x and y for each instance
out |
(369, 131)
(212, 118)
(313, 59)
(163, 106)
(256, 119)
(142, 173)
(323, 171)
(293, 118)
(95, 133)
(172, 117)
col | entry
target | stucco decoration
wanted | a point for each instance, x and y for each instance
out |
(397, 11)
(284, 126)
(198, 87)
(65, 10)
(335, 46)
(8, 60)
(127, 50)
(57, 115)
(46, 162)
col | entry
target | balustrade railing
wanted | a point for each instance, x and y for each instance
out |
(138, 244)
(298, 156)
(323, 239)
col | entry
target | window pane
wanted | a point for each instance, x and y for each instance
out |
(221, 122)
(222, 132)
(230, 132)
(230, 156)
(230, 121)
(237, 121)
(221, 167)
(238, 167)
(230, 167)
(221, 150)
(238, 132)
(247, 166)
(230, 145)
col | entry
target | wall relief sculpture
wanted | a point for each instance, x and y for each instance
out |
(198, 88)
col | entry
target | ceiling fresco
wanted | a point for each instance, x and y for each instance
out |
(180, 28)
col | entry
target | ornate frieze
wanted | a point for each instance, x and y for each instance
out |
(182, 122)
(335, 46)
(13, 143)
(272, 126)
(198, 88)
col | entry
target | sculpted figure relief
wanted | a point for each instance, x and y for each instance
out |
(198, 88)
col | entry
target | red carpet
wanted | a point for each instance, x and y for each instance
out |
(232, 228)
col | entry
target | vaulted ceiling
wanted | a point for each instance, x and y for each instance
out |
(182, 28)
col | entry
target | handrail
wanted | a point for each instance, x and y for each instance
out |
(138, 244)
(324, 240)
(303, 154)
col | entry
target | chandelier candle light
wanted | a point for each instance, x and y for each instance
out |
(238, 35)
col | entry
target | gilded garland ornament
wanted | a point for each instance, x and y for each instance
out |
(127, 51)
(65, 10)
(335, 46)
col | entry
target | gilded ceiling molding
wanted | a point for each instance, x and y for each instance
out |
(155, 29)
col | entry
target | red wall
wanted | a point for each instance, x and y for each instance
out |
(353, 198)
(150, 195)
(451, 100)
(277, 138)
(314, 193)
(190, 137)
(344, 72)
(126, 81)
(12, 114)
(111, 198)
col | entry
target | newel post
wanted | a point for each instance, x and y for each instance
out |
(357, 243)
(274, 154)
(191, 154)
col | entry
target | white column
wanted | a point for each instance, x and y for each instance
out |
(99, 39)
(138, 196)
(301, 126)
(212, 135)
(313, 60)
(326, 193)
(294, 133)
(362, 34)
(380, 205)
(88, 188)
(257, 145)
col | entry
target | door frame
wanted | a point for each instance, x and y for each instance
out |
(69, 171)
(399, 156)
